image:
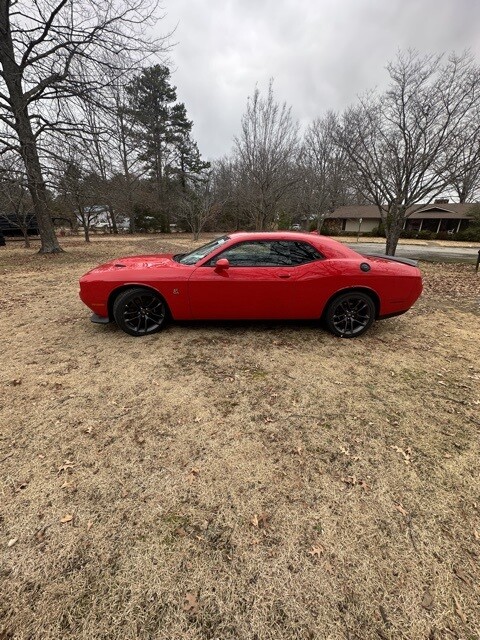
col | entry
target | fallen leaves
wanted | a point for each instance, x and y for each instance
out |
(11, 542)
(401, 509)
(353, 481)
(193, 474)
(40, 533)
(190, 604)
(406, 453)
(66, 518)
(67, 485)
(317, 550)
(260, 520)
(427, 600)
(66, 466)
(347, 453)
(459, 610)
(461, 575)
(20, 487)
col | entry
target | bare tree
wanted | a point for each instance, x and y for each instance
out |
(96, 145)
(403, 144)
(266, 152)
(51, 50)
(78, 188)
(323, 167)
(230, 192)
(465, 169)
(117, 141)
(200, 204)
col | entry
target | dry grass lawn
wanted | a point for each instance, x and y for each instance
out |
(247, 481)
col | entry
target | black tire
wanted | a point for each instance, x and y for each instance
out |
(139, 312)
(350, 314)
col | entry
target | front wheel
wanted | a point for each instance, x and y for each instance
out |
(351, 314)
(139, 312)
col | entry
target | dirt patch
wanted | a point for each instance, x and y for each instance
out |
(251, 481)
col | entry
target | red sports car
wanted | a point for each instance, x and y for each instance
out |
(253, 276)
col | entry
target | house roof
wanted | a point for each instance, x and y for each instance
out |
(450, 210)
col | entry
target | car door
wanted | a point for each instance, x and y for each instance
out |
(309, 273)
(255, 285)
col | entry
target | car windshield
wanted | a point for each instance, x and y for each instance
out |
(194, 256)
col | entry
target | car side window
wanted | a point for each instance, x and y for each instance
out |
(246, 254)
(269, 253)
(302, 253)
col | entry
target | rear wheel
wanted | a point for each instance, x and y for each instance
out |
(139, 312)
(350, 314)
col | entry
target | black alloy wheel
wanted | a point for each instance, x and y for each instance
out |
(350, 315)
(139, 312)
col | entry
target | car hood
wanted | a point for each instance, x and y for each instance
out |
(137, 262)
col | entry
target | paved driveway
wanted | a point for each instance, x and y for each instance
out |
(419, 252)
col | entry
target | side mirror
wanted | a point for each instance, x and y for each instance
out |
(222, 263)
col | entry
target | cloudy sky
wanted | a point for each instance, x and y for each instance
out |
(321, 53)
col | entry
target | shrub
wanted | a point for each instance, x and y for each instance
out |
(331, 228)
(470, 234)
(284, 221)
(409, 233)
(424, 234)
(377, 232)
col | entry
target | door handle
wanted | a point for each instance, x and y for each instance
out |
(284, 275)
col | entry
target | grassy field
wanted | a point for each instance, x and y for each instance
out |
(248, 481)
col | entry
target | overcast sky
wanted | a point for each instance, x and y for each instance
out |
(321, 53)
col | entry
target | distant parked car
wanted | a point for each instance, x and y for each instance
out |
(296, 227)
(253, 276)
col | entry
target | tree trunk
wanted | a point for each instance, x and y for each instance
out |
(320, 221)
(391, 244)
(38, 191)
(26, 239)
(126, 172)
(131, 209)
(12, 74)
(159, 179)
(113, 220)
(393, 228)
(86, 231)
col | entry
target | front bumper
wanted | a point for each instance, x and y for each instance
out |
(99, 319)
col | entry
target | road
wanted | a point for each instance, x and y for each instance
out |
(419, 252)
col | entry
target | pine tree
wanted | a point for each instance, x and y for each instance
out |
(163, 133)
